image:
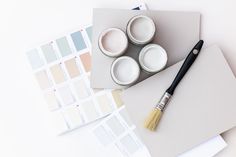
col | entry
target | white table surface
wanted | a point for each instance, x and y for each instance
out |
(24, 127)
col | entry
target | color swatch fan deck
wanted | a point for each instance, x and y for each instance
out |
(62, 70)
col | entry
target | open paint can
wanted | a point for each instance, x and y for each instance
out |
(113, 42)
(125, 71)
(152, 58)
(141, 29)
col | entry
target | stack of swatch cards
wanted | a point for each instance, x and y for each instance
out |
(62, 68)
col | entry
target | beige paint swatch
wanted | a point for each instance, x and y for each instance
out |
(104, 104)
(86, 60)
(57, 73)
(73, 117)
(43, 79)
(117, 97)
(52, 101)
(72, 67)
(90, 110)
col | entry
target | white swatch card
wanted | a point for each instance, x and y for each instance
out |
(118, 134)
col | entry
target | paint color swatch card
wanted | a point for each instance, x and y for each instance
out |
(119, 135)
(117, 132)
(62, 69)
(194, 114)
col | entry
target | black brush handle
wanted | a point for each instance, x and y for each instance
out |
(186, 65)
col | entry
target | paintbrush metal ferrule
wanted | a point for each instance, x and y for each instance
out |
(163, 101)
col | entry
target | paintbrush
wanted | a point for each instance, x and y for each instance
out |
(155, 116)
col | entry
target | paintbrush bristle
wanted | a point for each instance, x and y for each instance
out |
(153, 119)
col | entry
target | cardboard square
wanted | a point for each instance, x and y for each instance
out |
(177, 33)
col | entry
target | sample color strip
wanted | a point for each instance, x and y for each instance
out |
(90, 110)
(86, 60)
(104, 104)
(63, 46)
(80, 89)
(73, 117)
(35, 59)
(126, 118)
(66, 95)
(89, 32)
(78, 41)
(103, 136)
(115, 125)
(72, 67)
(57, 73)
(49, 52)
(129, 144)
(117, 97)
(52, 100)
(43, 79)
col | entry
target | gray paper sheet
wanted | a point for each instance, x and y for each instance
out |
(203, 105)
(177, 33)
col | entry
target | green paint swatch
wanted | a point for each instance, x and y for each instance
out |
(49, 52)
(63, 46)
(89, 32)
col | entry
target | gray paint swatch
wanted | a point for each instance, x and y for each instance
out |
(49, 52)
(63, 46)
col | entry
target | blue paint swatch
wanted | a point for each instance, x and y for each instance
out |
(89, 32)
(35, 59)
(78, 41)
(49, 52)
(63, 46)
